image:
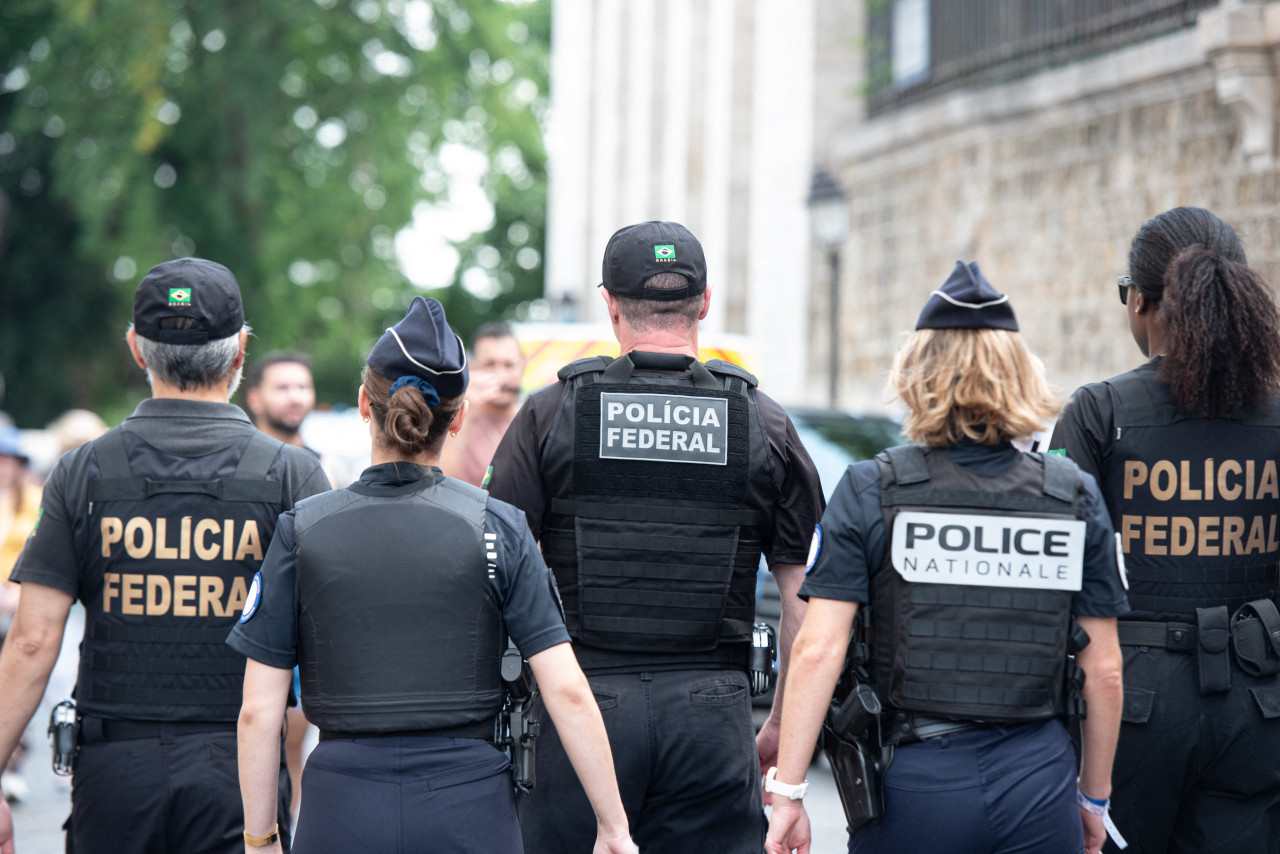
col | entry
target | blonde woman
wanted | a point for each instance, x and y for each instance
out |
(974, 572)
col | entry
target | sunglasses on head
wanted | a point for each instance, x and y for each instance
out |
(1124, 283)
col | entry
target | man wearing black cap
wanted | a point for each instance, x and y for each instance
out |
(157, 527)
(974, 572)
(655, 483)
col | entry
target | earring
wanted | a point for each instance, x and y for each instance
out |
(366, 419)
(453, 433)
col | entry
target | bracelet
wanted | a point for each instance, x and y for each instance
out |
(262, 841)
(1093, 805)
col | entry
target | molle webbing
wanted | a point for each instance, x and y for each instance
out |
(249, 483)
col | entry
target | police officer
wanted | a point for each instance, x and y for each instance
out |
(395, 596)
(157, 527)
(1185, 448)
(655, 483)
(970, 560)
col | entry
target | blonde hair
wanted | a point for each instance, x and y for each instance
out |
(977, 384)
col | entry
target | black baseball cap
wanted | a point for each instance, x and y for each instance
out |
(637, 252)
(967, 301)
(423, 345)
(202, 290)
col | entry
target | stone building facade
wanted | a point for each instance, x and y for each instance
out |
(1044, 180)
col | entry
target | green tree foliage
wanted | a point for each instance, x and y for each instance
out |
(288, 139)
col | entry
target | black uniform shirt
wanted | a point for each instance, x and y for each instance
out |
(1085, 430)
(852, 536)
(176, 439)
(523, 584)
(798, 501)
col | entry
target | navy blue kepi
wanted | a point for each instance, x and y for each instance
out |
(967, 301)
(422, 345)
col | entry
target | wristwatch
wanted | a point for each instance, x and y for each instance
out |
(788, 790)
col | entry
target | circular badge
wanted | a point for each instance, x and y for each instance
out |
(253, 598)
(815, 548)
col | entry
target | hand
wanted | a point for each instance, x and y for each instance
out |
(767, 748)
(6, 827)
(1094, 832)
(618, 843)
(788, 828)
(485, 388)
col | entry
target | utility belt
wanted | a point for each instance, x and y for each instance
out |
(902, 728)
(758, 659)
(482, 730)
(1252, 633)
(95, 730)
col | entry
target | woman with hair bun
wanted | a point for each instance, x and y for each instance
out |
(1186, 448)
(973, 572)
(395, 597)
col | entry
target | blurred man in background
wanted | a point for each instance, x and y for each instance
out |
(497, 367)
(279, 392)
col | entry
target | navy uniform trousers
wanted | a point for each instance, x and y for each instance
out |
(1192, 773)
(998, 790)
(683, 747)
(158, 794)
(407, 794)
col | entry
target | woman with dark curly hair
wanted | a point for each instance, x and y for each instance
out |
(1185, 448)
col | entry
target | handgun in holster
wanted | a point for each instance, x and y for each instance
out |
(852, 742)
(518, 721)
(64, 735)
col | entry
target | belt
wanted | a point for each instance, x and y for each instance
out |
(923, 728)
(1175, 637)
(480, 729)
(116, 730)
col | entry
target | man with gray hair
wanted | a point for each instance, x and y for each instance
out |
(158, 528)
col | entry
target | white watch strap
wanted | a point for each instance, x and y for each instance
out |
(794, 791)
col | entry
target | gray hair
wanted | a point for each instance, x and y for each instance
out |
(193, 366)
(646, 315)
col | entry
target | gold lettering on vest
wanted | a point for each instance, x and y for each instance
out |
(250, 542)
(184, 539)
(1256, 534)
(228, 538)
(131, 590)
(110, 589)
(1208, 479)
(1268, 488)
(1182, 535)
(1232, 535)
(1155, 533)
(211, 596)
(1229, 492)
(158, 595)
(1208, 536)
(239, 592)
(1135, 474)
(1186, 493)
(131, 544)
(204, 551)
(1248, 480)
(1272, 543)
(163, 551)
(184, 590)
(112, 531)
(1130, 528)
(1164, 469)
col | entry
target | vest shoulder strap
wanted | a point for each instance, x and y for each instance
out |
(1061, 477)
(115, 481)
(258, 456)
(465, 490)
(908, 464)
(720, 366)
(592, 364)
(113, 460)
(1134, 406)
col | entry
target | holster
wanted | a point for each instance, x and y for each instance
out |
(858, 767)
(1255, 636)
(1213, 657)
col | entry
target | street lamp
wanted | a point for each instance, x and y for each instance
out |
(829, 219)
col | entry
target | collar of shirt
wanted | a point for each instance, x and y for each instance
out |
(983, 460)
(399, 474)
(170, 407)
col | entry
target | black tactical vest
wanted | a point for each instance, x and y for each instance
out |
(966, 651)
(1195, 501)
(399, 629)
(660, 502)
(165, 578)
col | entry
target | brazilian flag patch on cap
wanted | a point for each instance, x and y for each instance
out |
(179, 296)
(664, 252)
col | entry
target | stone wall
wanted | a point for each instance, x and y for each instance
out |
(1044, 181)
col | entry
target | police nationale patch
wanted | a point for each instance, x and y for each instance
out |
(815, 549)
(668, 428)
(253, 599)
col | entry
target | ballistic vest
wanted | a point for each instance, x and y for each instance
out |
(399, 629)
(1195, 501)
(971, 608)
(165, 577)
(660, 502)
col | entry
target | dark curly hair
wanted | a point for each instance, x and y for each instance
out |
(409, 426)
(1223, 329)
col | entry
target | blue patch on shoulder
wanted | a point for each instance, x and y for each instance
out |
(253, 599)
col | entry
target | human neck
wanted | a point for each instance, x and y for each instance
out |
(381, 454)
(218, 393)
(658, 341)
